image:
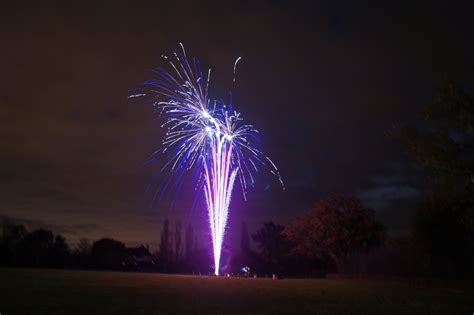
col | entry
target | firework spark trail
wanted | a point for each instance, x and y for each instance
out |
(219, 181)
(205, 136)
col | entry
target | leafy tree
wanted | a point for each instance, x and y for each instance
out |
(35, 248)
(443, 141)
(13, 234)
(107, 254)
(165, 250)
(39, 248)
(189, 246)
(273, 246)
(244, 238)
(82, 252)
(443, 145)
(444, 229)
(189, 243)
(83, 247)
(335, 226)
(177, 242)
(60, 252)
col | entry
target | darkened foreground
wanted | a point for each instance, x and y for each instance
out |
(36, 291)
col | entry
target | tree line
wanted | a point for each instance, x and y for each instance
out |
(337, 234)
(312, 244)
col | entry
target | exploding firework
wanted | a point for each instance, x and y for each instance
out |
(204, 135)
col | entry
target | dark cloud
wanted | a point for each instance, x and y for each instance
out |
(398, 180)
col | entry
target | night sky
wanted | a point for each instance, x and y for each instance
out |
(323, 81)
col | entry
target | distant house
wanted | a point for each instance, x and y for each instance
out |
(139, 258)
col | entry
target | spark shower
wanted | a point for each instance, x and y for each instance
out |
(204, 136)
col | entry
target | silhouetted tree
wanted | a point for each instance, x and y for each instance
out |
(35, 249)
(443, 145)
(444, 229)
(165, 250)
(189, 246)
(177, 243)
(274, 247)
(244, 238)
(12, 235)
(39, 248)
(107, 254)
(335, 226)
(443, 142)
(60, 254)
(82, 253)
(84, 247)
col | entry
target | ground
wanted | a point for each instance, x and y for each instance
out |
(43, 291)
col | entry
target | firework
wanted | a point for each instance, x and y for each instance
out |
(204, 135)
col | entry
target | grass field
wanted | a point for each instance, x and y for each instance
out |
(37, 291)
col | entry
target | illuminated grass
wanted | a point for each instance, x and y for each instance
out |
(35, 291)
